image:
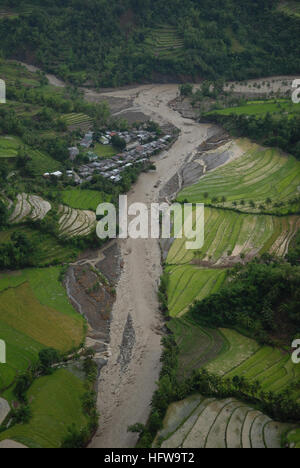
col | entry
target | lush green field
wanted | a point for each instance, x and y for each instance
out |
(83, 199)
(228, 235)
(48, 249)
(164, 41)
(104, 151)
(9, 146)
(238, 349)
(272, 367)
(262, 176)
(198, 422)
(188, 283)
(293, 438)
(56, 405)
(197, 345)
(10, 72)
(78, 121)
(41, 163)
(35, 313)
(261, 108)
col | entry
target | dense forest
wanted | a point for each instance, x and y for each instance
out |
(120, 42)
(261, 298)
(268, 130)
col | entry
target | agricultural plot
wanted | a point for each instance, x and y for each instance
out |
(78, 121)
(84, 199)
(76, 223)
(188, 283)
(9, 146)
(48, 250)
(41, 163)
(29, 206)
(198, 345)
(293, 438)
(272, 367)
(104, 151)
(56, 405)
(198, 422)
(35, 313)
(255, 182)
(230, 237)
(165, 41)
(239, 348)
(261, 108)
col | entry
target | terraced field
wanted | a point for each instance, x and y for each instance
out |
(35, 313)
(29, 206)
(198, 345)
(83, 199)
(190, 282)
(9, 146)
(78, 121)
(56, 405)
(165, 41)
(76, 223)
(41, 163)
(231, 236)
(259, 177)
(272, 367)
(198, 422)
(238, 349)
(261, 108)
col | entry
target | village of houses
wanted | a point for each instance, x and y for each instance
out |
(140, 146)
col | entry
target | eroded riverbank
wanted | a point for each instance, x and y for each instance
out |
(128, 381)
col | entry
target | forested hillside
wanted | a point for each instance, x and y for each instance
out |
(113, 43)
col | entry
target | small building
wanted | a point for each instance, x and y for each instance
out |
(73, 152)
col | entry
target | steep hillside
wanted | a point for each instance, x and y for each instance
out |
(120, 42)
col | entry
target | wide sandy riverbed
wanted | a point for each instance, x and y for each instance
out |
(125, 392)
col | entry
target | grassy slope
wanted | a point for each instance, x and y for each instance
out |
(229, 234)
(56, 404)
(261, 108)
(35, 313)
(259, 174)
(83, 199)
(48, 249)
(188, 283)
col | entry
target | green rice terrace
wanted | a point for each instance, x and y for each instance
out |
(9, 146)
(187, 283)
(261, 180)
(35, 313)
(84, 199)
(245, 217)
(71, 222)
(260, 108)
(199, 422)
(164, 42)
(78, 122)
(231, 237)
(56, 405)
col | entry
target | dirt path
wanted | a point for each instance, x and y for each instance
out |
(127, 383)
